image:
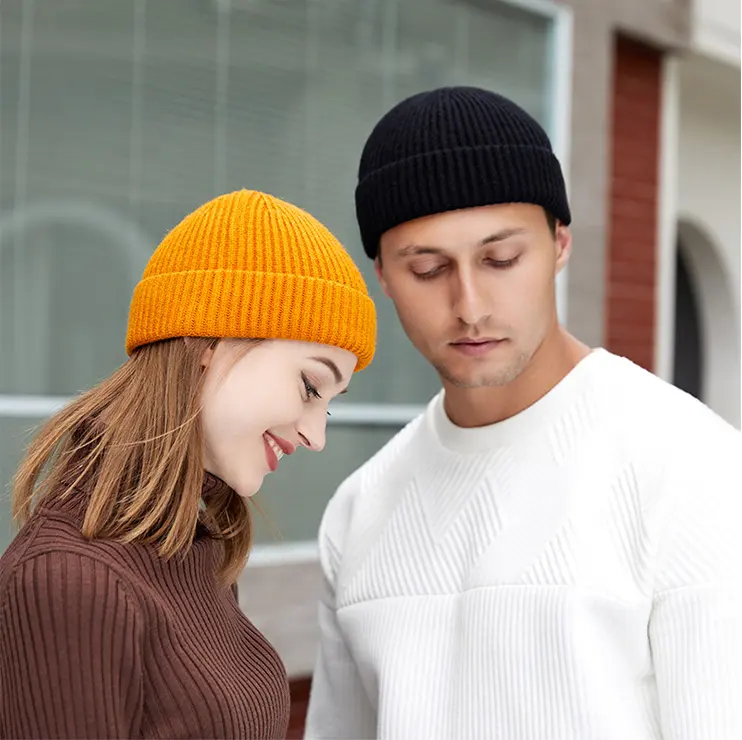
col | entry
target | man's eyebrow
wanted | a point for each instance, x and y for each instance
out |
(498, 236)
(411, 249)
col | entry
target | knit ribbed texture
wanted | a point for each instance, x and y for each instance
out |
(249, 265)
(571, 573)
(451, 148)
(104, 640)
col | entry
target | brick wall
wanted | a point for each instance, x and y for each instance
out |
(634, 199)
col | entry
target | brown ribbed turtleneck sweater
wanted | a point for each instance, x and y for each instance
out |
(107, 640)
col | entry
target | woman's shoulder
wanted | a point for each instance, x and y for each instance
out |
(58, 588)
(51, 547)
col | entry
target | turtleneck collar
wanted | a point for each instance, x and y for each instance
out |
(212, 486)
(75, 503)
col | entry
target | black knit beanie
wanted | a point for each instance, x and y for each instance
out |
(451, 148)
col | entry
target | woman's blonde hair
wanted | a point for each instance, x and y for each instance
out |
(135, 441)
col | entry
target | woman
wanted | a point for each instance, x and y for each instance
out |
(118, 615)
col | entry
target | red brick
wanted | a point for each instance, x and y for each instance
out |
(629, 334)
(635, 309)
(628, 323)
(629, 208)
(634, 189)
(628, 290)
(631, 264)
(635, 237)
(634, 266)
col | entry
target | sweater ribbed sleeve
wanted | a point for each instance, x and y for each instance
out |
(70, 651)
(695, 628)
(338, 706)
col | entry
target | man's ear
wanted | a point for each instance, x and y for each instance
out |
(378, 268)
(563, 246)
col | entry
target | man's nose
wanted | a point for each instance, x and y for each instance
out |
(469, 304)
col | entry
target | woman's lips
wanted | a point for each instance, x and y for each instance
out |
(275, 448)
(273, 453)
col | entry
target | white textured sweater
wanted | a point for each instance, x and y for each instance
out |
(570, 573)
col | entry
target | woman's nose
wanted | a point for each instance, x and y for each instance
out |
(312, 431)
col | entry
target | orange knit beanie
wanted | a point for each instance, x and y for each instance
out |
(249, 265)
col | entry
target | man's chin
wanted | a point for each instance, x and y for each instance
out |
(492, 378)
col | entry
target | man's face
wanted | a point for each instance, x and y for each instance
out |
(474, 289)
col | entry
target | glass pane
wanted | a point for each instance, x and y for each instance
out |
(121, 116)
(292, 499)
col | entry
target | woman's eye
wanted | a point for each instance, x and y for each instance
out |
(311, 391)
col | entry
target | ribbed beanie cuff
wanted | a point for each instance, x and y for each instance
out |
(462, 178)
(278, 306)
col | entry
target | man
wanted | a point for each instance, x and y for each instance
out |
(549, 551)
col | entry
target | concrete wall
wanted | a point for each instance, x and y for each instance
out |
(709, 217)
(716, 29)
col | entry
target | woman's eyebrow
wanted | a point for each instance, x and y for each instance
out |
(327, 362)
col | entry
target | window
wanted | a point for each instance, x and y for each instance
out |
(121, 116)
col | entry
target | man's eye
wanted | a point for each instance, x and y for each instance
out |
(428, 274)
(502, 264)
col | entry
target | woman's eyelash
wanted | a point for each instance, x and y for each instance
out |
(312, 392)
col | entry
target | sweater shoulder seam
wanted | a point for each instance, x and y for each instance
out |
(121, 579)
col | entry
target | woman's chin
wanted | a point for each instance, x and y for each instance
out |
(247, 488)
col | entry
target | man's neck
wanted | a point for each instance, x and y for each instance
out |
(557, 356)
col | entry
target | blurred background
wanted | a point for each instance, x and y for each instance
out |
(119, 117)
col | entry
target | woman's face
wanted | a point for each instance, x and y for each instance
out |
(263, 402)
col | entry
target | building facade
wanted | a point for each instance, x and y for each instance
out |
(118, 117)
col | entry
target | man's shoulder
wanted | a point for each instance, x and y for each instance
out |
(392, 459)
(671, 441)
(383, 462)
(645, 405)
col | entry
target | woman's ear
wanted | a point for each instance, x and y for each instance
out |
(207, 357)
(208, 354)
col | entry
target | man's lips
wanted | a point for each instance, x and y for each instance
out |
(475, 340)
(478, 346)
